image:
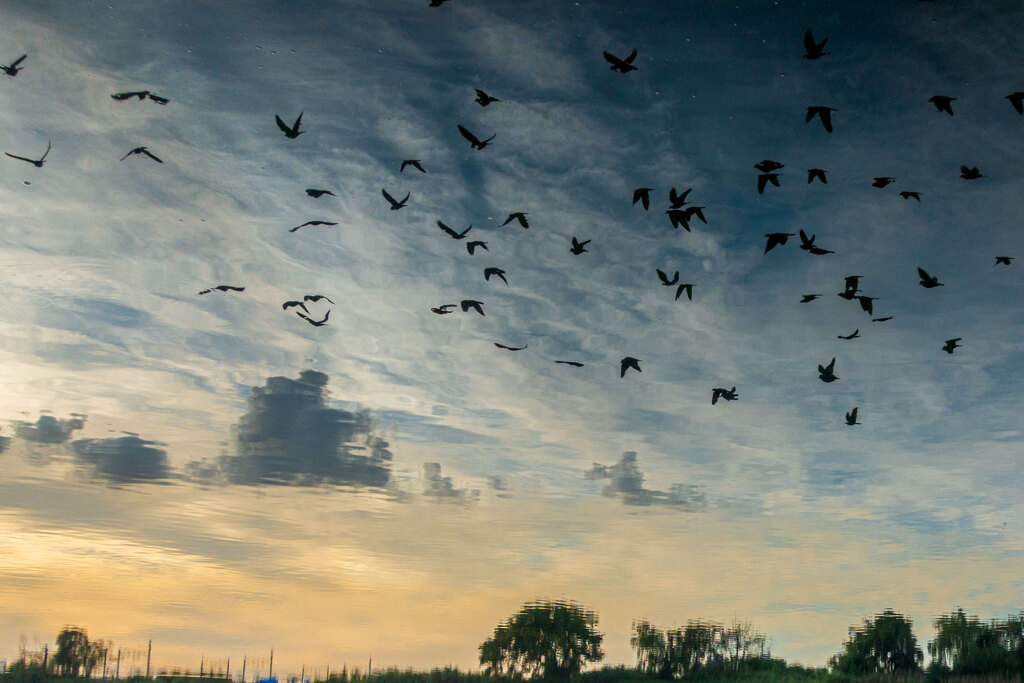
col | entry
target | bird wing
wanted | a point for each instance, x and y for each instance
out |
(152, 156)
(448, 230)
(570, 362)
(407, 195)
(18, 61)
(281, 124)
(125, 95)
(630, 58)
(806, 242)
(14, 156)
(48, 148)
(662, 275)
(613, 59)
(157, 98)
(391, 200)
(809, 43)
(469, 136)
(831, 366)
(762, 181)
(295, 126)
(924, 276)
(826, 119)
(811, 111)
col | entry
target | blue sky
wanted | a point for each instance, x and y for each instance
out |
(393, 470)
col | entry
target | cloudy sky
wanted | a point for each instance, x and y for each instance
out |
(217, 474)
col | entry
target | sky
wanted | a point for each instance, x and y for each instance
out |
(218, 475)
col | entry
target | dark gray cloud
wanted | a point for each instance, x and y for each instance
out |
(437, 486)
(626, 482)
(5, 441)
(290, 437)
(123, 460)
(49, 429)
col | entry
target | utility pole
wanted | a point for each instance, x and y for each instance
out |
(244, 657)
(149, 653)
(271, 674)
(328, 672)
(117, 671)
(105, 663)
(202, 662)
(227, 674)
(369, 667)
(46, 655)
(302, 676)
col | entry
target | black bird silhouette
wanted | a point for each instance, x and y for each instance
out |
(328, 223)
(38, 163)
(621, 65)
(643, 195)
(575, 364)
(942, 103)
(577, 246)
(223, 288)
(677, 201)
(827, 374)
(436, 3)
(1017, 100)
(664, 277)
(316, 297)
(765, 178)
(141, 95)
(291, 304)
(444, 309)
(882, 181)
(483, 99)
(315, 323)
(775, 239)
(1005, 260)
(881, 320)
(293, 132)
(395, 205)
(906, 194)
(517, 216)
(767, 166)
(143, 150)
(678, 218)
(474, 140)
(627, 363)
(818, 173)
(851, 282)
(686, 287)
(807, 244)
(851, 417)
(814, 50)
(727, 394)
(316, 194)
(415, 163)
(951, 344)
(12, 69)
(488, 272)
(511, 348)
(467, 304)
(807, 298)
(927, 281)
(457, 235)
(471, 246)
(970, 173)
(855, 335)
(823, 113)
(866, 303)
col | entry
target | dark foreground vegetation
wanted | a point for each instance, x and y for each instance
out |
(559, 641)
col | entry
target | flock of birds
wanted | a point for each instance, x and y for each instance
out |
(680, 212)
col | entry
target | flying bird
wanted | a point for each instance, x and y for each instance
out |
(457, 235)
(767, 166)
(316, 194)
(511, 348)
(643, 195)
(436, 3)
(951, 344)
(927, 281)
(1005, 260)
(823, 113)
(488, 272)
(627, 363)
(478, 306)
(293, 132)
(881, 320)
(621, 65)
(775, 239)
(818, 173)
(765, 178)
(727, 394)
(483, 99)
(12, 69)
(855, 335)
(517, 216)
(143, 150)
(678, 218)
(328, 223)
(141, 95)
(850, 283)
(575, 364)
(807, 298)
(867, 304)
(807, 244)
(1017, 100)
(474, 140)
(471, 246)
(415, 163)
(851, 417)
(814, 50)
(942, 103)
(291, 304)
(906, 194)
(444, 309)
(223, 288)
(686, 287)
(664, 278)
(882, 181)
(826, 373)
(395, 205)
(316, 297)
(314, 323)
(38, 163)
(970, 173)
(677, 201)
(577, 246)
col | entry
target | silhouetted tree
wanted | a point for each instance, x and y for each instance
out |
(72, 651)
(681, 652)
(885, 644)
(552, 639)
(966, 645)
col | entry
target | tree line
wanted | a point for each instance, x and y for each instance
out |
(557, 640)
